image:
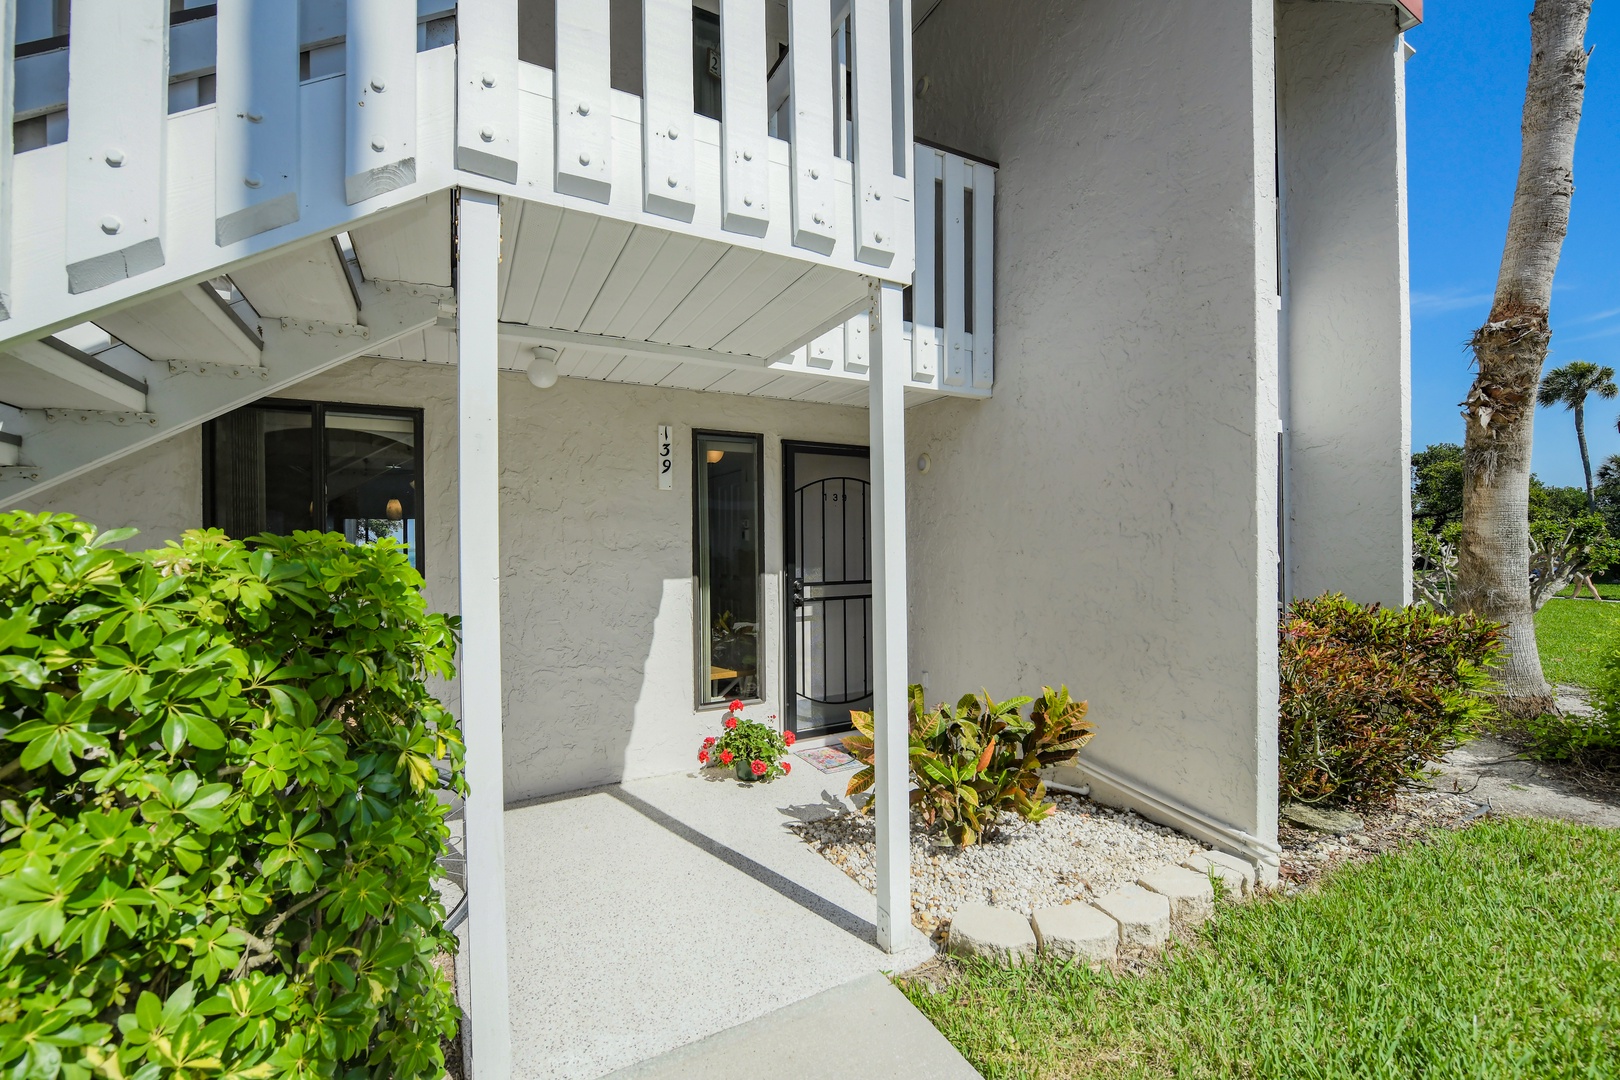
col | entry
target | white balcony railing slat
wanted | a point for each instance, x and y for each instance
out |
(810, 60)
(487, 88)
(8, 92)
(874, 158)
(954, 371)
(926, 172)
(984, 280)
(380, 125)
(745, 163)
(668, 158)
(118, 87)
(256, 163)
(584, 101)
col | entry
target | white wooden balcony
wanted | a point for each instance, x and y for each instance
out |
(204, 205)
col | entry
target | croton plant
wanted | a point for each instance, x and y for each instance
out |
(754, 750)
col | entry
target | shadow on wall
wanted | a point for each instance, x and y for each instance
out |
(599, 668)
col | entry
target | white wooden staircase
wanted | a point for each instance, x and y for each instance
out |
(211, 203)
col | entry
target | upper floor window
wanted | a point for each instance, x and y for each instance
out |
(279, 466)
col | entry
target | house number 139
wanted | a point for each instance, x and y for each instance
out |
(666, 459)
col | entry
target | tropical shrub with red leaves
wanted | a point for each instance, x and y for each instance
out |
(1370, 697)
(748, 745)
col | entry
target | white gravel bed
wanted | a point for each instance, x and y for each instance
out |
(1083, 851)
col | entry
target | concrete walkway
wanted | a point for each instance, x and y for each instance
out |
(647, 916)
(1492, 772)
(865, 1028)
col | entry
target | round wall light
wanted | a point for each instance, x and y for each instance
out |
(924, 463)
(714, 456)
(543, 367)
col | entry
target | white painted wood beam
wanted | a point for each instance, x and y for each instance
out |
(51, 374)
(924, 319)
(413, 245)
(380, 125)
(118, 96)
(478, 538)
(193, 323)
(307, 282)
(487, 136)
(645, 350)
(583, 99)
(668, 154)
(954, 363)
(745, 161)
(877, 210)
(984, 275)
(891, 790)
(810, 76)
(8, 97)
(180, 396)
(256, 158)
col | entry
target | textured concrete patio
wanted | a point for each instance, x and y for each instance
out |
(648, 916)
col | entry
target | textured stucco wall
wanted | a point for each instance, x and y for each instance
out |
(157, 490)
(1108, 519)
(1348, 356)
(598, 652)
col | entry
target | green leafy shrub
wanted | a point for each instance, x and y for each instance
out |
(218, 782)
(973, 761)
(1588, 740)
(1371, 696)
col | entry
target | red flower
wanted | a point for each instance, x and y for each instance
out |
(703, 757)
(725, 757)
(789, 738)
(759, 768)
(731, 723)
(710, 741)
(787, 767)
(737, 706)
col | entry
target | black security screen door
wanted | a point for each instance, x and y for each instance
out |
(829, 565)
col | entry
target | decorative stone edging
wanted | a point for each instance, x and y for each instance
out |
(1134, 917)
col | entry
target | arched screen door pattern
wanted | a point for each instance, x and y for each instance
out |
(832, 600)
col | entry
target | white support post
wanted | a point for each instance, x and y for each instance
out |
(584, 100)
(8, 37)
(892, 769)
(380, 125)
(984, 276)
(924, 320)
(487, 88)
(668, 158)
(955, 361)
(874, 158)
(118, 96)
(256, 158)
(478, 535)
(810, 78)
(745, 164)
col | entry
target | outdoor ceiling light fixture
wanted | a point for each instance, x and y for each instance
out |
(543, 368)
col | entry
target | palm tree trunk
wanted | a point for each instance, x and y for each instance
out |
(1493, 557)
(1586, 460)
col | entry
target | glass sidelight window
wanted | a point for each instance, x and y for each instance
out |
(729, 508)
(280, 466)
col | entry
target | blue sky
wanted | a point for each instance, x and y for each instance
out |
(1465, 92)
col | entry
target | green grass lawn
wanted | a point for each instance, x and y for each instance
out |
(1605, 590)
(1572, 636)
(1493, 952)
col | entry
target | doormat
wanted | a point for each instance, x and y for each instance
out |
(826, 758)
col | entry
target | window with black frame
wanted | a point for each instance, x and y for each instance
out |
(280, 466)
(728, 507)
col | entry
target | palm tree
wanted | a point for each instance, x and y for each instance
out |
(1493, 554)
(1568, 386)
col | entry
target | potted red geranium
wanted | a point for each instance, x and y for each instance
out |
(752, 750)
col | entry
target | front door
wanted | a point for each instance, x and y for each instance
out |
(828, 515)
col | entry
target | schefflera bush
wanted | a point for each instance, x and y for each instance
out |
(218, 782)
(1372, 696)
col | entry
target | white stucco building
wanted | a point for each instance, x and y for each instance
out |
(702, 349)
